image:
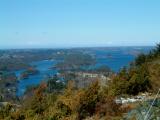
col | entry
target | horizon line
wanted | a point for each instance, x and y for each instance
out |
(114, 46)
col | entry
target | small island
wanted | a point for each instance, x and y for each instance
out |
(28, 72)
(75, 61)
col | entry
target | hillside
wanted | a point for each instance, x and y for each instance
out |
(53, 100)
(141, 76)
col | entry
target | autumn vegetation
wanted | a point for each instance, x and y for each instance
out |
(57, 101)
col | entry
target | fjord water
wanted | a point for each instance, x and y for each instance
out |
(115, 58)
(118, 57)
(44, 71)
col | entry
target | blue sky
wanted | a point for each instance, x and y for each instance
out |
(78, 23)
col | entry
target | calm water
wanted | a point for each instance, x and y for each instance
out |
(115, 58)
(44, 69)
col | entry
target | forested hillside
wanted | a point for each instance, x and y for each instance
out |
(54, 100)
(141, 76)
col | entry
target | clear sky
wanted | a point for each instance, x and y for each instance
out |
(78, 23)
